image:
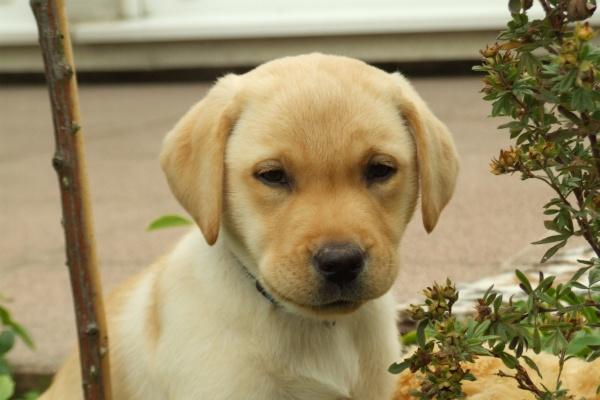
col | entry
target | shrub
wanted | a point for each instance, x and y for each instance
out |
(10, 331)
(543, 76)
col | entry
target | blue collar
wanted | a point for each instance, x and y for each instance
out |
(258, 286)
(266, 294)
(262, 291)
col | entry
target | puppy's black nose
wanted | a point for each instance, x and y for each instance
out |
(339, 262)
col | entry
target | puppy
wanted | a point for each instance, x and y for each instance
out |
(301, 175)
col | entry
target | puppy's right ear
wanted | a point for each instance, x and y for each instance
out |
(436, 153)
(192, 155)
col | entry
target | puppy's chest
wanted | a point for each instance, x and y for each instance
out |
(321, 359)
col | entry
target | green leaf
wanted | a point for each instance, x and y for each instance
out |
(469, 377)
(4, 369)
(33, 395)
(7, 341)
(488, 291)
(514, 6)
(557, 342)
(497, 303)
(532, 365)
(409, 338)
(579, 273)
(579, 285)
(546, 283)
(509, 360)
(582, 100)
(6, 320)
(397, 368)
(22, 334)
(4, 316)
(551, 225)
(547, 298)
(528, 62)
(594, 276)
(537, 343)
(583, 342)
(501, 106)
(550, 239)
(552, 250)
(551, 211)
(421, 332)
(482, 328)
(593, 355)
(499, 348)
(490, 299)
(168, 221)
(523, 279)
(7, 387)
(480, 350)
(566, 82)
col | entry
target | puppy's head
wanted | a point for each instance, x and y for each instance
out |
(312, 165)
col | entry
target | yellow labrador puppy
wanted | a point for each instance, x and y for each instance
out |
(301, 175)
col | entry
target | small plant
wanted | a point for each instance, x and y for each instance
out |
(168, 221)
(10, 331)
(543, 76)
(554, 318)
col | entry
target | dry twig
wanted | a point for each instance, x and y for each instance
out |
(69, 163)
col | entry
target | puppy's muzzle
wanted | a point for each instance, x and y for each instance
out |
(339, 263)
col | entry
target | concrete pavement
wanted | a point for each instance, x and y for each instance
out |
(489, 220)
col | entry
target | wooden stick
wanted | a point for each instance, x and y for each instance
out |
(70, 166)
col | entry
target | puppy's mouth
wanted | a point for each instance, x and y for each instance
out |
(338, 307)
(337, 304)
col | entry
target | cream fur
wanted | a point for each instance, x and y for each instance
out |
(215, 345)
(194, 326)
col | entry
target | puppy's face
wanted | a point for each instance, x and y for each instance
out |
(314, 168)
(320, 183)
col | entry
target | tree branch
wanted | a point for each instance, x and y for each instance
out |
(595, 151)
(523, 379)
(546, 7)
(69, 163)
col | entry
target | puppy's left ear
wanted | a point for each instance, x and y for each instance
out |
(193, 154)
(436, 154)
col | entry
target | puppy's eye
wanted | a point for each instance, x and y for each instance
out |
(273, 177)
(379, 172)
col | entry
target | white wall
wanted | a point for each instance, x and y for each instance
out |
(147, 34)
(113, 21)
(292, 17)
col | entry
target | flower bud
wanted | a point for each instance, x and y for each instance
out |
(584, 32)
(567, 59)
(490, 51)
(596, 202)
(483, 310)
(569, 46)
(416, 312)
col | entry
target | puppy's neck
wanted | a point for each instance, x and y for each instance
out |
(231, 244)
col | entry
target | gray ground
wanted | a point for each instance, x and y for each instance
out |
(489, 220)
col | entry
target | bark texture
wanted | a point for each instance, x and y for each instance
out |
(70, 166)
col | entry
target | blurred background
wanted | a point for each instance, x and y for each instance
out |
(149, 35)
(143, 63)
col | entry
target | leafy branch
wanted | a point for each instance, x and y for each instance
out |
(542, 75)
(10, 332)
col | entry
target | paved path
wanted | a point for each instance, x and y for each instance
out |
(489, 220)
